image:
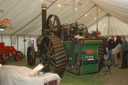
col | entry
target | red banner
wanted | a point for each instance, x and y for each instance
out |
(91, 51)
(66, 27)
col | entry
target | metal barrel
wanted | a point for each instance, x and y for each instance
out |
(44, 8)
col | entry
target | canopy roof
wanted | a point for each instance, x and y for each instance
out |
(26, 15)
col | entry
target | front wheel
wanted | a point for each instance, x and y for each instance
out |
(18, 56)
(5, 56)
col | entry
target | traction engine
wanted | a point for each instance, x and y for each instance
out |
(65, 47)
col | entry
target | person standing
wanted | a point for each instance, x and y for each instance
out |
(117, 56)
(118, 41)
(124, 48)
(111, 43)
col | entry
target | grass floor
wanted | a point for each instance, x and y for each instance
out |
(86, 79)
(68, 78)
(118, 76)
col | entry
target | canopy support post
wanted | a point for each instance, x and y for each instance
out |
(11, 39)
(17, 42)
(96, 18)
(24, 44)
(73, 11)
(1, 38)
(108, 24)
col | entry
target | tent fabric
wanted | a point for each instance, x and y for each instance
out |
(114, 28)
(26, 15)
(117, 8)
(19, 75)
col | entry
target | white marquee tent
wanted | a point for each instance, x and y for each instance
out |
(110, 16)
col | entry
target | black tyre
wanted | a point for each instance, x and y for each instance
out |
(31, 58)
(18, 56)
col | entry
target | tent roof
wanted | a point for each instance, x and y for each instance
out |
(26, 14)
(117, 8)
(116, 27)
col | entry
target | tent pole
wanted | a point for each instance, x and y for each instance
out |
(30, 40)
(73, 11)
(11, 39)
(108, 24)
(17, 42)
(96, 18)
(1, 38)
(24, 45)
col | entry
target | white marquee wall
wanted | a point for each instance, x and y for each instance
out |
(20, 43)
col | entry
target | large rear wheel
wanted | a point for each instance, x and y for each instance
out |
(53, 55)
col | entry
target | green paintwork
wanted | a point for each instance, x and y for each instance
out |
(93, 42)
(87, 45)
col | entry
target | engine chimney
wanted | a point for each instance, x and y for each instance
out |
(44, 8)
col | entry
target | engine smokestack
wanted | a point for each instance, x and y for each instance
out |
(44, 8)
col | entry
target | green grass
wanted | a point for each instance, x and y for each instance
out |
(86, 79)
(11, 60)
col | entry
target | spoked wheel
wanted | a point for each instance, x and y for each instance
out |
(53, 24)
(83, 29)
(5, 56)
(31, 59)
(81, 26)
(53, 55)
(18, 56)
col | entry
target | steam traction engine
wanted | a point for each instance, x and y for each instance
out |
(59, 50)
